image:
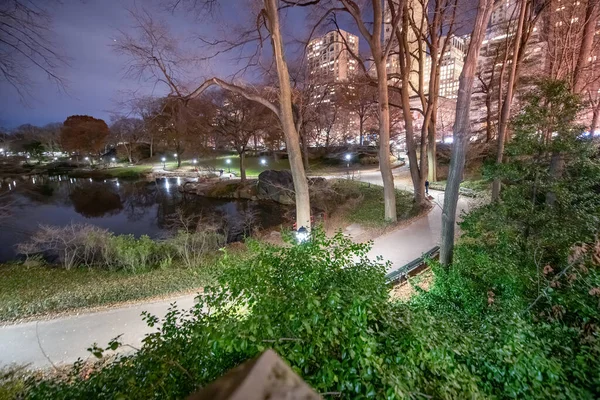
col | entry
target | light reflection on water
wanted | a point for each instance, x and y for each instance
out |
(123, 207)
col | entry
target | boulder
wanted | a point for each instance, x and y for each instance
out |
(277, 186)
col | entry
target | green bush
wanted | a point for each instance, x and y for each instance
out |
(324, 307)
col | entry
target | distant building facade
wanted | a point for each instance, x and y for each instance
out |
(451, 65)
(328, 58)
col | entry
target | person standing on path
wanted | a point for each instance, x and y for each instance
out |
(426, 186)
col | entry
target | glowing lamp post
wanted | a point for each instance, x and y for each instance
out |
(302, 235)
(164, 161)
(228, 162)
(263, 162)
(348, 157)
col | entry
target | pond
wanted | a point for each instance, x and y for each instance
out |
(152, 208)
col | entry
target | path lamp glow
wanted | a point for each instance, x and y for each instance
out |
(302, 235)
(263, 162)
(164, 160)
(348, 157)
(113, 159)
(228, 162)
(194, 161)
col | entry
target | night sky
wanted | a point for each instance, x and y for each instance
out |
(84, 30)
(95, 81)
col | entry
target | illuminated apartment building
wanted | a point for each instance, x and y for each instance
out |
(328, 58)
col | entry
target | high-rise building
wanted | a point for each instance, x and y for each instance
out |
(328, 58)
(415, 8)
(451, 65)
(331, 65)
(552, 50)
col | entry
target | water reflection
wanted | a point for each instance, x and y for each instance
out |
(123, 207)
(94, 200)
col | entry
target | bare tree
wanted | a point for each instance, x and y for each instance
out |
(267, 25)
(25, 31)
(433, 35)
(418, 165)
(127, 132)
(462, 130)
(360, 98)
(238, 120)
(370, 22)
(505, 112)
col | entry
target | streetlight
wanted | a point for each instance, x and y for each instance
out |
(164, 160)
(175, 155)
(263, 162)
(194, 161)
(302, 235)
(348, 157)
(113, 159)
(228, 162)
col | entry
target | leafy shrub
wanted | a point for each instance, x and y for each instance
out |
(324, 307)
(319, 304)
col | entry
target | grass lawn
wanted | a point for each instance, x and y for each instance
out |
(368, 210)
(36, 290)
(253, 164)
(133, 172)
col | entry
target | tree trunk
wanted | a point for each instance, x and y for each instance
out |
(587, 40)
(555, 172)
(417, 175)
(488, 116)
(304, 140)
(242, 166)
(462, 131)
(129, 150)
(361, 124)
(286, 117)
(385, 166)
(411, 150)
(432, 150)
(505, 112)
(594, 124)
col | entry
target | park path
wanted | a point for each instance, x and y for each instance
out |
(403, 245)
(65, 339)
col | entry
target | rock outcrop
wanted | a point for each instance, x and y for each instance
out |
(277, 186)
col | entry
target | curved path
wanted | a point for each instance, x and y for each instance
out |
(63, 340)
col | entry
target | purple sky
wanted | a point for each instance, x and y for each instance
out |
(84, 30)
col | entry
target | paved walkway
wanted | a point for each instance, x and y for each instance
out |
(63, 340)
(405, 244)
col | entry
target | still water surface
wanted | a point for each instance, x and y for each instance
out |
(122, 207)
